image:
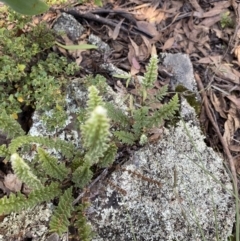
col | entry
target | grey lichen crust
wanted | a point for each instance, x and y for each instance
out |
(134, 206)
(29, 224)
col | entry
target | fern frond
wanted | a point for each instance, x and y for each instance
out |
(82, 176)
(84, 229)
(94, 99)
(24, 173)
(151, 73)
(44, 194)
(76, 162)
(167, 111)
(59, 222)
(66, 148)
(162, 92)
(10, 126)
(18, 202)
(109, 156)
(125, 137)
(4, 151)
(51, 166)
(117, 115)
(13, 203)
(140, 117)
(95, 134)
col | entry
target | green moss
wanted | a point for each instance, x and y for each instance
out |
(190, 97)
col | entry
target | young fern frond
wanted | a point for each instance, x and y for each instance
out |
(76, 162)
(162, 92)
(66, 148)
(44, 194)
(59, 222)
(18, 202)
(140, 117)
(51, 166)
(94, 99)
(4, 152)
(109, 156)
(13, 203)
(95, 134)
(82, 175)
(24, 173)
(84, 229)
(117, 115)
(151, 73)
(167, 111)
(125, 137)
(10, 126)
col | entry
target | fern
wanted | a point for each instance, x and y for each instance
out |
(4, 151)
(10, 126)
(125, 137)
(109, 156)
(165, 112)
(150, 75)
(23, 172)
(140, 117)
(117, 115)
(44, 194)
(65, 147)
(95, 134)
(59, 222)
(51, 167)
(82, 176)
(18, 202)
(84, 229)
(94, 99)
(162, 92)
(15, 203)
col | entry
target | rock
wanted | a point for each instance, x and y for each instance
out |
(182, 70)
(68, 24)
(133, 205)
(32, 223)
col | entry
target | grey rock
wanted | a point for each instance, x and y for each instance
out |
(68, 24)
(133, 205)
(182, 70)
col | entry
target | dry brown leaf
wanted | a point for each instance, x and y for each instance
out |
(208, 22)
(168, 44)
(131, 53)
(226, 71)
(232, 124)
(148, 45)
(135, 64)
(218, 104)
(135, 46)
(12, 182)
(117, 30)
(237, 53)
(147, 28)
(196, 6)
(235, 100)
(134, 71)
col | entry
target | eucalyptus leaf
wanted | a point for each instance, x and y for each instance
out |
(27, 7)
(75, 47)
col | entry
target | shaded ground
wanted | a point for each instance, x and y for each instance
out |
(206, 30)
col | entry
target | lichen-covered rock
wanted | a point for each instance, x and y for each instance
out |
(165, 192)
(29, 224)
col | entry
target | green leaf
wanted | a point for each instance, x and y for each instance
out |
(27, 7)
(74, 47)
